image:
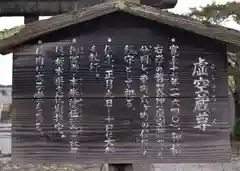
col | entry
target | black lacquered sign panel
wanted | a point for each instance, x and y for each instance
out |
(117, 99)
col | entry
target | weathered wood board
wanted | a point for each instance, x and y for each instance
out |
(176, 76)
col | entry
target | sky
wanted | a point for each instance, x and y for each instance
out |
(9, 22)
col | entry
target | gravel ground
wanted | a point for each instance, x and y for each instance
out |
(234, 166)
(7, 166)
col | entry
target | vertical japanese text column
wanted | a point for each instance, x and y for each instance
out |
(160, 99)
(145, 54)
(213, 92)
(129, 92)
(174, 95)
(59, 96)
(75, 100)
(94, 61)
(39, 95)
(109, 78)
(201, 84)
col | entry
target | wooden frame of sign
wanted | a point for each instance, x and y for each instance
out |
(123, 127)
(93, 89)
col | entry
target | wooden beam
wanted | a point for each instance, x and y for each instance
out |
(163, 4)
(121, 167)
(55, 7)
(31, 18)
(42, 7)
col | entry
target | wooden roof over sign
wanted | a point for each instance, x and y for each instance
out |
(36, 29)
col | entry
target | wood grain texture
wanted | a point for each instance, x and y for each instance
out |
(37, 29)
(28, 146)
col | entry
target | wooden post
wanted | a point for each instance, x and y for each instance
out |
(120, 167)
(29, 19)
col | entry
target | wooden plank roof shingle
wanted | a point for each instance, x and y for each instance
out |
(37, 29)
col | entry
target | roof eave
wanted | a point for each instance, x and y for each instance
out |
(35, 30)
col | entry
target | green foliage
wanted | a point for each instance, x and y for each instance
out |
(231, 83)
(237, 131)
(215, 13)
(9, 32)
(234, 72)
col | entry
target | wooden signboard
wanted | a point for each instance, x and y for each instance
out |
(121, 94)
